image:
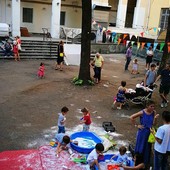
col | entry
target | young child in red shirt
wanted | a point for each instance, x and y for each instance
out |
(41, 70)
(15, 51)
(85, 120)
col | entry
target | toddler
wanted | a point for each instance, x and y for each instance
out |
(135, 67)
(121, 156)
(15, 51)
(92, 158)
(62, 119)
(86, 120)
(120, 98)
(63, 143)
(41, 70)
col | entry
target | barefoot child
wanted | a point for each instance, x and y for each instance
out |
(41, 70)
(62, 141)
(85, 120)
(121, 156)
(135, 67)
(120, 98)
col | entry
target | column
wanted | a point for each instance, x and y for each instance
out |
(55, 18)
(139, 16)
(15, 18)
(121, 13)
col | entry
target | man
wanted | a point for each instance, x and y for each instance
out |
(98, 65)
(164, 85)
(128, 57)
(150, 77)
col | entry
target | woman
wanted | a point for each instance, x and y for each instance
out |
(148, 118)
(60, 57)
(149, 57)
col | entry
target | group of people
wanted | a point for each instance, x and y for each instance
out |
(12, 49)
(148, 119)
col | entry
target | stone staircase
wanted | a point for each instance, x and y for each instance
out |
(36, 49)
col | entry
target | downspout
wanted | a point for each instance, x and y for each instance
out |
(149, 8)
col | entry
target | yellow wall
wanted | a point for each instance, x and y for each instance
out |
(155, 11)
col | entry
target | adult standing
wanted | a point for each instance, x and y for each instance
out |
(164, 85)
(149, 57)
(148, 118)
(128, 57)
(150, 76)
(60, 58)
(7, 48)
(98, 65)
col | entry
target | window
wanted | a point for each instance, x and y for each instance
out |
(28, 15)
(164, 18)
(62, 18)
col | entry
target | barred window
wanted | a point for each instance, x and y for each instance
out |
(164, 18)
(28, 15)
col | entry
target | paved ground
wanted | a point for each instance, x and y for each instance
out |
(29, 106)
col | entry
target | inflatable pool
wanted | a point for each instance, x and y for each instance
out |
(86, 141)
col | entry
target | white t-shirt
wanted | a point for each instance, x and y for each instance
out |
(92, 156)
(149, 52)
(163, 133)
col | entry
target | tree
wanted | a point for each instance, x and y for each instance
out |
(166, 55)
(84, 71)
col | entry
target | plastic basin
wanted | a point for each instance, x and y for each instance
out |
(86, 136)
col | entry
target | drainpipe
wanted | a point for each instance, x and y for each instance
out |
(149, 8)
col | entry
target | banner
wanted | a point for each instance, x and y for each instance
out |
(161, 46)
(168, 44)
(142, 33)
(119, 40)
(138, 45)
(148, 45)
(124, 36)
(143, 44)
(154, 46)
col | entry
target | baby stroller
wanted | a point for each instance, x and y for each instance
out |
(138, 96)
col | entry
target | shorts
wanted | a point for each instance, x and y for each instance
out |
(60, 59)
(148, 59)
(86, 128)
(164, 89)
(61, 129)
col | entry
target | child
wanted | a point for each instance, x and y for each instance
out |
(120, 95)
(135, 67)
(62, 142)
(92, 158)
(122, 156)
(162, 144)
(15, 51)
(86, 119)
(62, 119)
(139, 163)
(41, 70)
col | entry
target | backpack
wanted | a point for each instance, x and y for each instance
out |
(7, 46)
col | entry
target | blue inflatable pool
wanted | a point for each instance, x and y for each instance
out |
(88, 141)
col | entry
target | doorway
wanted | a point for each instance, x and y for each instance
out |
(130, 13)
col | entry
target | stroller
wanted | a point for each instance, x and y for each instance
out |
(138, 96)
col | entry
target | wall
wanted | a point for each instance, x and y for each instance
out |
(155, 11)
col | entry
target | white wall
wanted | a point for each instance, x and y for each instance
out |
(72, 17)
(41, 17)
(5, 11)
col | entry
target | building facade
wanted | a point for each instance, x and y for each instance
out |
(51, 14)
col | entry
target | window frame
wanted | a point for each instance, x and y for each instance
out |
(163, 23)
(27, 17)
